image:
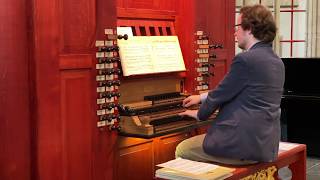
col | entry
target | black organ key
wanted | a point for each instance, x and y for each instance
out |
(207, 74)
(117, 94)
(116, 116)
(105, 83)
(107, 60)
(125, 110)
(216, 46)
(125, 36)
(110, 71)
(212, 56)
(116, 127)
(101, 60)
(117, 71)
(111, 106)
(115, 59)
(108, 95)
(116, 83)
(109, 83)
(203, 37)
(207, 65)
(109, 48)
(108, 106)
(102, 72)
(106, 118)
(121, 107)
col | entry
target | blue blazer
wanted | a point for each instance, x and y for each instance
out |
(248, 98)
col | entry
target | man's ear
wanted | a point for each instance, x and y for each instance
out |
(248, 32)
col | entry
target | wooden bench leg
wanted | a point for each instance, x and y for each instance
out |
(298, 168)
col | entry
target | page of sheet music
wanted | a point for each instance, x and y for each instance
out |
(150, 54)
(185, 165)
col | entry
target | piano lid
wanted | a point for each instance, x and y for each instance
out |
(301, 76)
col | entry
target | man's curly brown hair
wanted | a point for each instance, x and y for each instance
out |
(260, 21)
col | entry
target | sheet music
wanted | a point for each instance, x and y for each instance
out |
(136, 59)
(150, 54)
(189, 166)
(168, 55)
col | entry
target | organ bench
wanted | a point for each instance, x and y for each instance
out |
(295, 158)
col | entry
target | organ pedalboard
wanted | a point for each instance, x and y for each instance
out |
(107, 78)
(203, 61)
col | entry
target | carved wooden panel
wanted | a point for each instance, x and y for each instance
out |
(216, 22)
(135, 159)
(217, 18)
(77, 25)
(166, 146)
(76, 121)
(219, 71)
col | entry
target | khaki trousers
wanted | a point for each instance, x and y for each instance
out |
(191, 149)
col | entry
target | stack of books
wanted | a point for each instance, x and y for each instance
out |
(183, 169)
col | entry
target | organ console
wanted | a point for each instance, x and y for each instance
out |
(158, 113)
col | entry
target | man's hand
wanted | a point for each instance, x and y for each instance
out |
(191, 113)
(191, 100)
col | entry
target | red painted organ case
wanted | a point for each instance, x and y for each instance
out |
(72, 133)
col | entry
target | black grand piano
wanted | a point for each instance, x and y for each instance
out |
(301, 103)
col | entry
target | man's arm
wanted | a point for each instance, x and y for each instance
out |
(228, 88)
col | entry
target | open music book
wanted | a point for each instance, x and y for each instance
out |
(150, 54)
(183, 169)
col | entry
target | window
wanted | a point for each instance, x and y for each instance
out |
(292, 25)
(293, 28)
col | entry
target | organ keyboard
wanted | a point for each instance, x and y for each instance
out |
(156, 114)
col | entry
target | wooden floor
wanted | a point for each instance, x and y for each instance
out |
(313, 168)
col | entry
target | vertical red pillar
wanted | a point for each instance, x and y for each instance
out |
(14, 92)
